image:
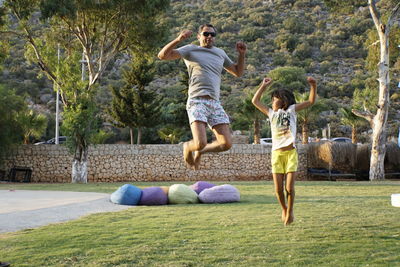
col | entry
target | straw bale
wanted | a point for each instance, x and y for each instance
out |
(331, 155)
(392, 157)
(363, 157)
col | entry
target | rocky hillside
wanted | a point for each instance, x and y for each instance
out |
(303, 33)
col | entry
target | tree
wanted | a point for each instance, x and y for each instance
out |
(11, 131)
(99, 29)
(307, 115)
(81, 125)
(252, 114)
(133, 105)
(378, 121)
(351, 119)
(33, 124)
(290, 78)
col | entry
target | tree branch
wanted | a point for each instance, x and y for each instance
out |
(392, 17)
(365, 115)
(375, 14)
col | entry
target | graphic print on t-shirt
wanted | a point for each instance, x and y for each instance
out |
(282, 124)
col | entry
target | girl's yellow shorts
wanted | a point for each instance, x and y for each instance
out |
(284, 161)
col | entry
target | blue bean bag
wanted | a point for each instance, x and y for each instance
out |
(200, 186)
(220, 194)
(126, 195)
(153, 196)
(182, 194)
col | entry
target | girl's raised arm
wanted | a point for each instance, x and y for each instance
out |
(311, 98)
(257, 96)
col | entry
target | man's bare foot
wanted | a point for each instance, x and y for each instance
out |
(187, 156)
(196, 160)
(289, 218)
(283, 215)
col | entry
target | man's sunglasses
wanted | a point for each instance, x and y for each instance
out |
(206, 34)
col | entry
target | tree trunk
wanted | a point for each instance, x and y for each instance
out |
(353, 135)
(256, 125)
(79, 167)
(139, 136)
(131, 133)
(304, 131)
(378, 151)
(79, 171)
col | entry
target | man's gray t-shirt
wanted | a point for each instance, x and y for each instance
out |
(205, 66)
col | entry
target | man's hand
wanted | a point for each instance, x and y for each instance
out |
(241, 47)
(311, 81)
(184, 35)
(266, 81)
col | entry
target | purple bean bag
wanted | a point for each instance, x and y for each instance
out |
(153, 196)
(200, 186)
(220, 194)
(126, 195)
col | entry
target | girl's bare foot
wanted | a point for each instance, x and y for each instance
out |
(197, 156)
(283, 215)
(289, 218)
(188, 156)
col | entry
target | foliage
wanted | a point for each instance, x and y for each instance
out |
(11, 105)
(289, 78)
(344, 6)
(33, 124)
(133, 105)
(250, 115)
(307, 116)
(171, 134)
(101, 137)
(81, 124)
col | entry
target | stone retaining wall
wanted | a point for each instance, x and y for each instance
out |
(125, 163)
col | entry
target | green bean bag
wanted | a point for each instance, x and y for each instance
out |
(181, 194)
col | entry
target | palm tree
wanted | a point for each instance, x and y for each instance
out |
(248, 110)
(350, 119)
(33, 124)
(308, 115)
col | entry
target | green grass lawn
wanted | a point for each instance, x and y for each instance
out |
(336, 224)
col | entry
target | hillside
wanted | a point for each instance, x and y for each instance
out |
(302, 33)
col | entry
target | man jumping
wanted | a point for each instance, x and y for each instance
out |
(205, 64)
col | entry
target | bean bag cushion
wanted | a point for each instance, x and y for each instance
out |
(200, 186)
(126, 195)
(153, 196)
(220, 194)
(165, 189)
(181, 194)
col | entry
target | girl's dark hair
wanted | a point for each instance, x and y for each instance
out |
(286, 96)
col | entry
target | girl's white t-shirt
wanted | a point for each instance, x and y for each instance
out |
(283, 127)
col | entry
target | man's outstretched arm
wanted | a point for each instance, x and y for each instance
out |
(168, 52)
(238, 68)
